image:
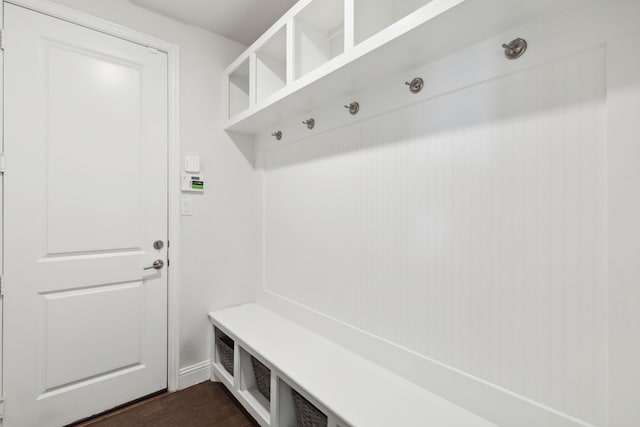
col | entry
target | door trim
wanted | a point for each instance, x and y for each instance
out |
(173, 53)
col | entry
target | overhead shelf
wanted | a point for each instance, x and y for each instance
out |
(337, 47)
(271, 66)
(319, 35)
(239, 89)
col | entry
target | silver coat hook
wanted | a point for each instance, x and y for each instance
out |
(515, 49)
(278, 135)
(415, 85)
(310, 123)
(354, 107)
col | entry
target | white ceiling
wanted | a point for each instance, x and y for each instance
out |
(240, 20)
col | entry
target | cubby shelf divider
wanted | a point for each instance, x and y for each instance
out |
(335, 48)
(279, 410)
(248, 389)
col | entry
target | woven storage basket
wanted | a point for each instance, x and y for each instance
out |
(225, 351)
(263, 378)
(307, 414)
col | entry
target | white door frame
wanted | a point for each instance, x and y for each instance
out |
(173, 51)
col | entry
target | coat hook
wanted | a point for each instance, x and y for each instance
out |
(278, 135)
(310, 123)
(515, 49)
(354, 107)
(415, 85)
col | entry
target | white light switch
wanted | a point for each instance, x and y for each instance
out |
(192, 164)
(187, 207)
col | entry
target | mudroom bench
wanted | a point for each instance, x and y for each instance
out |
(287, 376)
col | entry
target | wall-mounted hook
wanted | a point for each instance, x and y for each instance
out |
(515, 49)
(278, 135)
(416, 85)
(310, 123)
(354, 107)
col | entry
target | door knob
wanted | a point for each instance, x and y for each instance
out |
(157, 265)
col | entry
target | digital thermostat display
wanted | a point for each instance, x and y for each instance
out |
(192, 183)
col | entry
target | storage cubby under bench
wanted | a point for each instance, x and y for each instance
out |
(314, 381)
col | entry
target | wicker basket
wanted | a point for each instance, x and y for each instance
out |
(225, 351)
(263, 377)
(306, 413)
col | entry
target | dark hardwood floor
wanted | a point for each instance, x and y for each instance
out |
(206, 404)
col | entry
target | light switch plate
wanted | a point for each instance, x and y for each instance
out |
(192, 164)
(187, 207)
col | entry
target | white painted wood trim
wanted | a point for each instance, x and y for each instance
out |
(349, 25)
(289, 52)
(71, 15)
(1, 209)
(253, 79)
(194, 374)
(174, 232)
(173, 51)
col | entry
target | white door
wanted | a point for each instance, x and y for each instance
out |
(85, 200)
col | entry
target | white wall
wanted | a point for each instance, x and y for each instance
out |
(219, 242)
(461, 239)
(469, 229)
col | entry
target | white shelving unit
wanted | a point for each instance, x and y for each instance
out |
(249, 390)
(334, 48)
(319, 35)
(286, 408)
(373, 16)
(239, 88)
(271, 65)
(348, 389)
(226, 377)
(243, 384)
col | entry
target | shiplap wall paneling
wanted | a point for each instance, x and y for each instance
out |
(470, 228)
(623, 102)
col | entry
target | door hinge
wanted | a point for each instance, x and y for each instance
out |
(3, 163)
(2, 36)
(1, 295)
(1, 409)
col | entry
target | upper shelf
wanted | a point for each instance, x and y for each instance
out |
(322, 50)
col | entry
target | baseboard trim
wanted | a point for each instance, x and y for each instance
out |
(194, 374)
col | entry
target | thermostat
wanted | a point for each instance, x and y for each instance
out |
(192, 183)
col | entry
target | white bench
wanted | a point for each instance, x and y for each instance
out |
(349, 389)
